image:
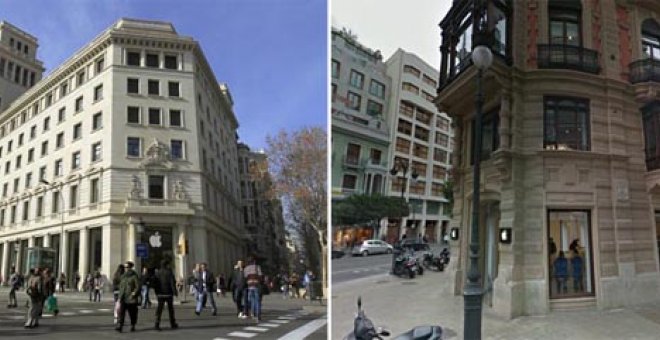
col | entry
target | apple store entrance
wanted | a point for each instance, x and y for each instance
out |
(158, 241)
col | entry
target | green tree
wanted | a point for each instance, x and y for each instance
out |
(362, 209)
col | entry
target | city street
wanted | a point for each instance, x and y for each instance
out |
(354, 267)
(79, 318)
(399, 304)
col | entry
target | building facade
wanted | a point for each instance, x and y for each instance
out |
(360, 134)
(130, 141)
(421, 139)
(19, 67)
(568, 154)
(262, 212)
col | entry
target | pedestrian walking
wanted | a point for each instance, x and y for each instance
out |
(116, 281)
(145, 282)
(295, 284)
(50, 284)
(99, 282)
(204, 286)
(221, 284)
(89, 285)
(237, 286)
(129, 288)
(253, 279)
(307, 279)
(62, 282)
(35, 290)
(76, 282)
(15, 283)
(284, 283)
(165, 288)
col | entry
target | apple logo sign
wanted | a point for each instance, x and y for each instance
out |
(154, 240)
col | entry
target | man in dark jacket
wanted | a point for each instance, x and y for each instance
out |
(164, 285)
(204, 286)
(237, 286)
(129, 290)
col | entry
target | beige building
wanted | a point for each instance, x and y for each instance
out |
(262, 212)
(421, 138)
(569, 152)
(130, 141)
(19, 67)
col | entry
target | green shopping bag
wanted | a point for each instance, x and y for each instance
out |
(51, 304)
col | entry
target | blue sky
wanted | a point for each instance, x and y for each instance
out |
(271, 53)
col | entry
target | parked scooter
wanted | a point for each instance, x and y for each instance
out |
(363, 329)
(437, 263)
(405, 265)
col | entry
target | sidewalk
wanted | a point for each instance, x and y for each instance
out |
(399, 304)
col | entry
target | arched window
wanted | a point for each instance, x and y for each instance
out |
(651, 39)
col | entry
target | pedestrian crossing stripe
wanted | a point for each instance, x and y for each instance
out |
(270, 325)
(286, 318)
(242, 334)
(255, 329)
(67, 313)
(280, 321)
(86, 311)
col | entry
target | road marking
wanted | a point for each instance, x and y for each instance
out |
(220, 339)
(257, 329)
(270, 325)
(286, 318)
(16, 317)
(242, 334)
(67, 313)
(104, 309)
(305, 330)
(86, 311)
(280, 321)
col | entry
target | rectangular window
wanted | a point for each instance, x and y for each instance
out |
(335, 69)
(429, 81)
(33, 132)
(30, 155)
(374, 109)
(375, 156)
(565, 26)
(171, 62)
(59, 171)
(42, 173)
(61, 114)
(98, 93)
(96, 152)
(566, 124)
(156, 187)
(357, 79)
(173, 88)
(26, 210)
(77, 131)
(441, 139)
(64, 89)
(100, 64)
(154, 87)
(49, 99)
(377, 89)
(133, 58)
(133, 147)
(176, 149)
(18, 162)
(175, 118)
(40, 207)
(349, 182)
(94, 191)
(80, 78)
(133, 115)
(410, 88)
(55, 197)
(490, 134)
(352, 154)
(133, 85)
(13, 214)
(16, 184)
(2, 216)
(152, 60)
(73, 196)
(20, 139)
(354, 101)
(404, 127)
(46, 124)
(75, 160)
(154, 116)
(440, 155)
(442, 124)
(411, 70)
(44, 148)
(97, 121)
(4, 189)
(59, 140)
(79, 104)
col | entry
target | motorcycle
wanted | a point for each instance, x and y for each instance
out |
(405, 265)
(363, 329)
(437, 263)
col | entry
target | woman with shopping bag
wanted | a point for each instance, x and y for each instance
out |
(116, 280)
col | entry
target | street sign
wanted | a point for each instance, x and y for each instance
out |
(142, 250)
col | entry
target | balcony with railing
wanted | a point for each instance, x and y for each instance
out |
(645, 70)
(556, 56)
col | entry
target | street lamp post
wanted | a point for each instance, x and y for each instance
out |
(482, 58)
(61, 245)
(403, 166)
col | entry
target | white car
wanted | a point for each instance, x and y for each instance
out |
(370, 247)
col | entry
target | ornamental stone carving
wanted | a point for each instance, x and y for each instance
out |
(136, 189)
(157, 154)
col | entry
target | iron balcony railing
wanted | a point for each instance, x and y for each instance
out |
(645, 70)
(568, 57)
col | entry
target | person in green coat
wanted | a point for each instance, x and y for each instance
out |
(129, 291)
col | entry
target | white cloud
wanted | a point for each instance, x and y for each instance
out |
(386, 25)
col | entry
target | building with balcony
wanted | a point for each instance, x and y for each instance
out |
(130, 141)
(421, 143)
(568, 153)
(360, 134)
(19, 67)
(262, 212)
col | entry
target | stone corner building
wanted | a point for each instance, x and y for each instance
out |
(131, 140)
(570, 152)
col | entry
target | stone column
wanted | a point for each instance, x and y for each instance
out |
(64, 249)
(46, 240)
(31, 241)
(5, 261)
(111, 249)
(83, 258)
(131, 238)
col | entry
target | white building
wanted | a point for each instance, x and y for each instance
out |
(137, 142)
(422, 142)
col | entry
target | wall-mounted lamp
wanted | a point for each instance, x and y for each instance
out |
(505, 235)
(453, 234)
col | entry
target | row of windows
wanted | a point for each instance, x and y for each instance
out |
(134, 146)
(97, 124)
(18, 45)
(355, 102)
(356, 80)
(153, 87)
(58, 168)
(412, 70)
(54, 95)
(152, 59)
(18, 74)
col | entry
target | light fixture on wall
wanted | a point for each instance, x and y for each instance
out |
(453, 234)
(505, 235)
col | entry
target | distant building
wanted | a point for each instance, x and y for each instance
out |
(19, 67)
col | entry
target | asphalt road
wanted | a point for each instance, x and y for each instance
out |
(80, 319)
(350, 268)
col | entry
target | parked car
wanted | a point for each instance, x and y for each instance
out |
(337, 253)
(370, 247)
(416, 246)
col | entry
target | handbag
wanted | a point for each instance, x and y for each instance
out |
(51, 304)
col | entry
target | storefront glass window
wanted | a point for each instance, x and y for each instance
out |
(570, 258)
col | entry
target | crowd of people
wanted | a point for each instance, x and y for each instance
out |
(247, 285)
